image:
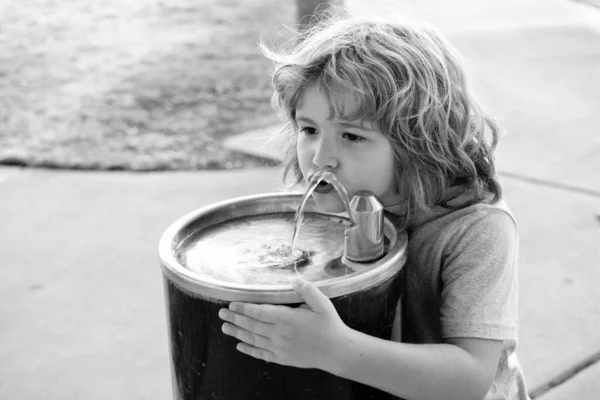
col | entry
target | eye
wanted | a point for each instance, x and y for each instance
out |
(351, 137)
(308, 131)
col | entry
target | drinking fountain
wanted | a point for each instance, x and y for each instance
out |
(229, 251)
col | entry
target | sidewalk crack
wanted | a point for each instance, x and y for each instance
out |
(550, 184)
(565, 375)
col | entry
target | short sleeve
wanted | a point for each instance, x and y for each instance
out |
(479, 277)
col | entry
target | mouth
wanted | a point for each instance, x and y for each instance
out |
(323, 187)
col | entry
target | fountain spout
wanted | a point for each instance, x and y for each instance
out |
(364, 241)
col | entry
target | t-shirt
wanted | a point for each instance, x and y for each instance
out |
(461, 281)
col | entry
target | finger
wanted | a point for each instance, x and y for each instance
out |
(268, 313)
(255, 352)
(245, 336)
(247, 323)
(313, 297)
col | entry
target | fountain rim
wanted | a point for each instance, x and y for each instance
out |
(207, 287)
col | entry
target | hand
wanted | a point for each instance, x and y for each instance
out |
(304, 337)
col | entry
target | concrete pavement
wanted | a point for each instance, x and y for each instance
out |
(81, 303)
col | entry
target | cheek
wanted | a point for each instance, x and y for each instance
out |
(390, 166)
(304, 155)
(386, 168)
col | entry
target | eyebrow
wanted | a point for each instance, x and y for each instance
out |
(357, 125)
(346, 124)
(307, 120)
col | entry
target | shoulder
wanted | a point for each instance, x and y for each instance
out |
(479, 217)
(482, 218)
(475, 228)
(483, 231)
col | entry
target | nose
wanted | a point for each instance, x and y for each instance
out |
(325, 154)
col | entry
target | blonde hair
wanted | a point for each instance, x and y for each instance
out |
(408, 79)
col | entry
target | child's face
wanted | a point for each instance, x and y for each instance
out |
(360, 157)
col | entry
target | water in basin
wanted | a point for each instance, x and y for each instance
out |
(256, 249)
(273, 247)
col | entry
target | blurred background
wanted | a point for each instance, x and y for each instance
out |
(94, 93)
(139, 85)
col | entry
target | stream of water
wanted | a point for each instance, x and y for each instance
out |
(257, 249)
(330, 178)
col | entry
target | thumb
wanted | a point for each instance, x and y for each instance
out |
(313, 297)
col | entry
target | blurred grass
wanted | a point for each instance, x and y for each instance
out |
(138, 85)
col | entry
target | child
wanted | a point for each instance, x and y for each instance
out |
(385, 107)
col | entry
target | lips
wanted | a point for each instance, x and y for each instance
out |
(323, 187)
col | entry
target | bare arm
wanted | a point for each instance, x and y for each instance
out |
(314, 336)
(462, 368)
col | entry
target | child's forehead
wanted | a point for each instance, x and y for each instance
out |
(344, 104)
